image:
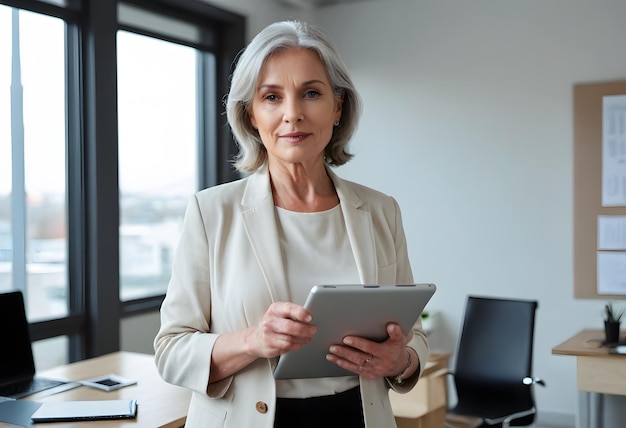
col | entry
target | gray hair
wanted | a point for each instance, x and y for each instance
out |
(278, 36)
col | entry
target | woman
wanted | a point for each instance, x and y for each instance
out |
(250, 251)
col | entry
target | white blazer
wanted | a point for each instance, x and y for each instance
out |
(227, 271)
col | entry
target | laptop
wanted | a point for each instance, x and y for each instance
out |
(17, 366)
(351, 309)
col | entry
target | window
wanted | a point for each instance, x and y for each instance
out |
(93, 186)
(158, 156)
(33, 232)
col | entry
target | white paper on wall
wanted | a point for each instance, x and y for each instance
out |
(614, 150)
(611, 272)
(612, 232)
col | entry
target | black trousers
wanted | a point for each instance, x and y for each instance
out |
(340, 410)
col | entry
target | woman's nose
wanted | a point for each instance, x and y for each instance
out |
(293, 111)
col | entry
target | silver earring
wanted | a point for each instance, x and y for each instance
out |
(337, 123)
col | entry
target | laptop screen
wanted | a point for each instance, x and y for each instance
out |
(16, 357)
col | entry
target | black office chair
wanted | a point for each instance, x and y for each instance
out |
(493, 369)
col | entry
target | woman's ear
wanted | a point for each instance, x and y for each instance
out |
(339, 107)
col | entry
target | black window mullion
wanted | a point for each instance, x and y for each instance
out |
(101, 178)
(232, 40)
(75, 189)
(70, 326)
(207, 161)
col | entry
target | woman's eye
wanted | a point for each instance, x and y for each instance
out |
(311, 94)
(271, 98)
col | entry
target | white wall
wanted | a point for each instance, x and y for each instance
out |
(468, 123)
(259, 13)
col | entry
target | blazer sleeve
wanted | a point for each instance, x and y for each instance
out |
(404, 274)
(184, 343)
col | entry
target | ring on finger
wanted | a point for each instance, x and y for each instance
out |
(369, 358)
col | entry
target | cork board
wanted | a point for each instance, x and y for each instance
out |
(588, 184)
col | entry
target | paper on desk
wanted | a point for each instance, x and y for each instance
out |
(57, 389)
(18, 412)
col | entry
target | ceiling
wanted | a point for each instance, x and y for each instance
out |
(314, 4)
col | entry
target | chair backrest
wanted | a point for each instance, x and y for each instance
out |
(495, 350)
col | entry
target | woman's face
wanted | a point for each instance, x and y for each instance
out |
(294, 107)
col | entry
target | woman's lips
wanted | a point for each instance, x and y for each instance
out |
(294, 137)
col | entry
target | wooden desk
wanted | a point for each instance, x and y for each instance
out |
(597, 372)
(159, 404)
(163, 405)
(425, 405)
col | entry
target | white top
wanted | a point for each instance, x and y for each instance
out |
(315, 250)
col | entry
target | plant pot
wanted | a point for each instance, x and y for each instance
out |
(429, 323)
(611, 332)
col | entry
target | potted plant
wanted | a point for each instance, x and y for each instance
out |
(425, 318)
(612, 320)
(428, 319)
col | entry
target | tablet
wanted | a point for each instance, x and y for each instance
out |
(355, 310)
(85, 410)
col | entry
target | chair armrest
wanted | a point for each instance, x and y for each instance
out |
(533, 381)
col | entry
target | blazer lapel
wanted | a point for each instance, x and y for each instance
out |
(359, 228)
(260, 224)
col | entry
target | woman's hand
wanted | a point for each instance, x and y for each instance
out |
(284, 327)
(372, 359)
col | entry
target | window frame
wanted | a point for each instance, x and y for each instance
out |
(95, 309)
